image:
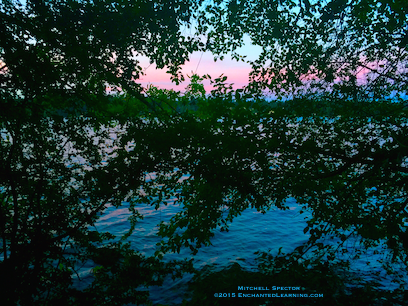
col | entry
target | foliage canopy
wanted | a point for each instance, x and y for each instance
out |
(337, 144)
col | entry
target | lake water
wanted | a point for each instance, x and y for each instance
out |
(250, 232)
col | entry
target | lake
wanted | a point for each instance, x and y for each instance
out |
(249, 233)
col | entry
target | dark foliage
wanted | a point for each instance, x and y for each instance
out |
(336, 143)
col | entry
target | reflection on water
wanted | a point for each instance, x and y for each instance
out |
(250, 232)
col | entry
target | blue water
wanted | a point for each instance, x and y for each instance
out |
(249, 233)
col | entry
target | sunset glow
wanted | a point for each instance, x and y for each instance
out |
(202, 64)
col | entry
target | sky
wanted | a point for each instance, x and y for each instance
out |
(200, 63)
(203, 63)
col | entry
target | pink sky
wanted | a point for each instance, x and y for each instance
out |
(237, 72)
